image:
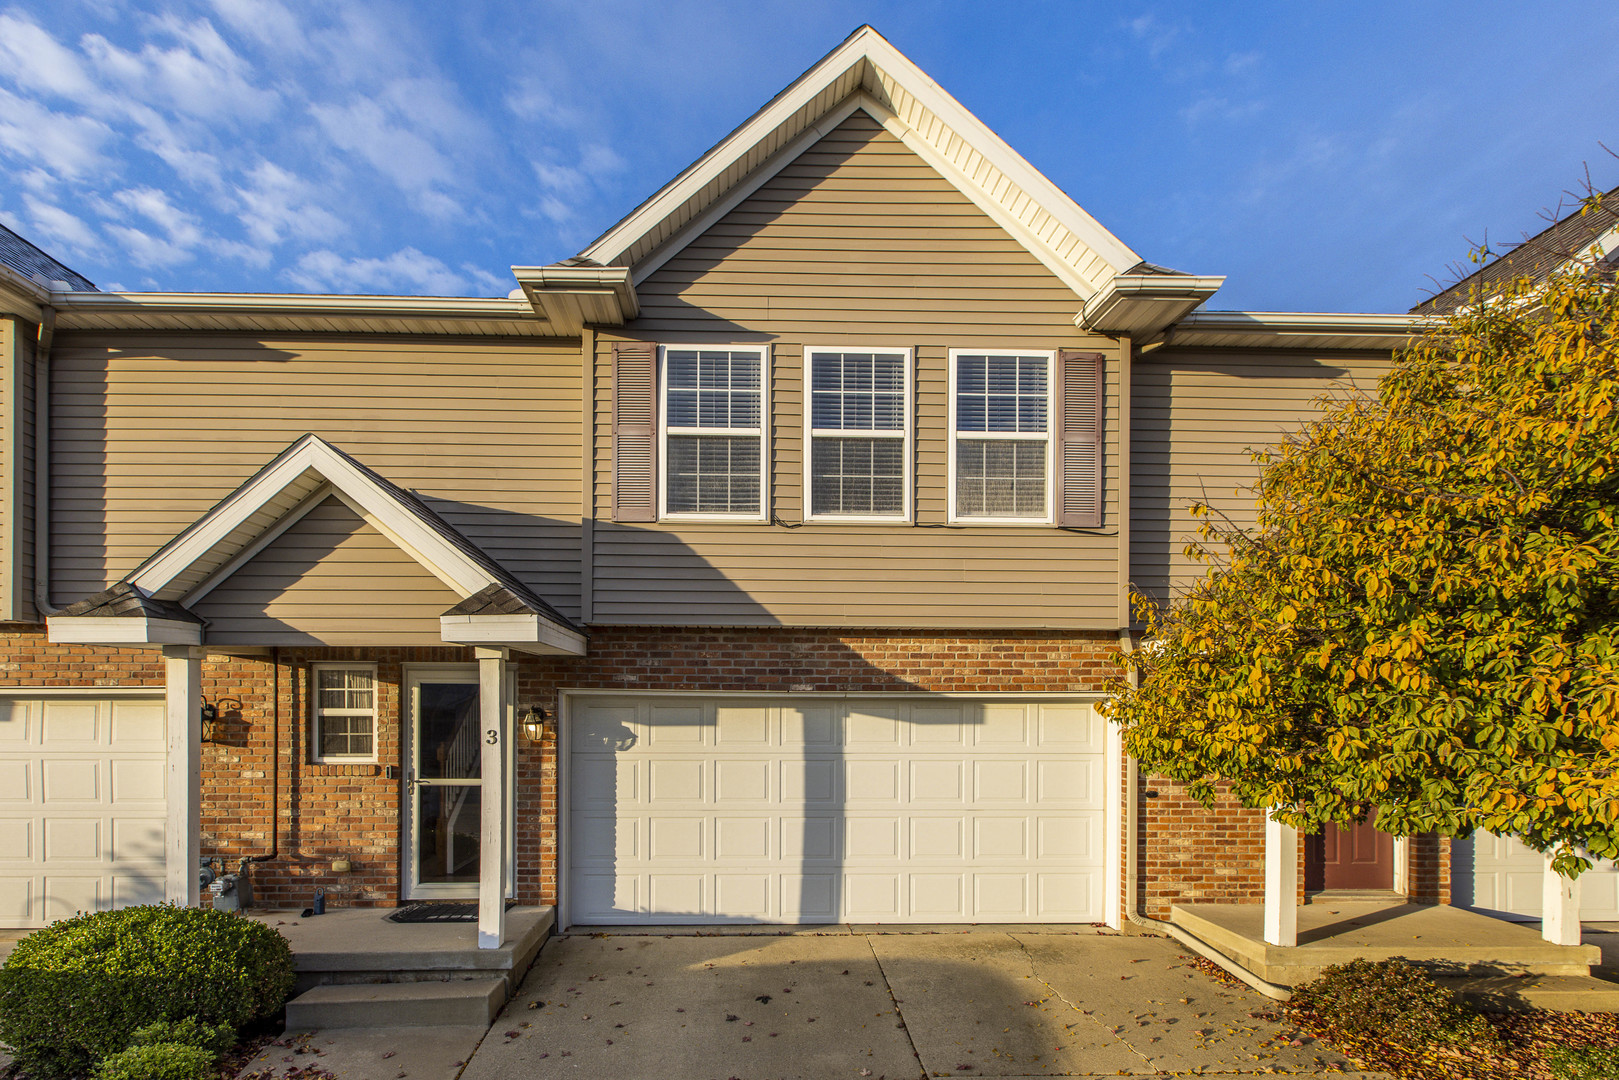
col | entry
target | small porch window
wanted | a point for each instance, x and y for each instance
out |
(345, 712)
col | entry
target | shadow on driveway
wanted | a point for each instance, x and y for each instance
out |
(977, 1003)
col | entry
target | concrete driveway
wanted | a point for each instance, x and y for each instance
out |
(818, 1005)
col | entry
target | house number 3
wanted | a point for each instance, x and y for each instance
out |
(491, 736)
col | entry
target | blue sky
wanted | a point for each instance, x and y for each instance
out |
(1322, 156)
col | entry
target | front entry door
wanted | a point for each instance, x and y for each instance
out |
(1356, 857)
(444, 784)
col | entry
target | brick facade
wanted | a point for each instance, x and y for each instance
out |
(260, 762)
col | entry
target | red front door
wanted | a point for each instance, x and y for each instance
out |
(1357, 857)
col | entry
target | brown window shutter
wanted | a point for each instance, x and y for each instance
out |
(1081, 387)
(635, 431)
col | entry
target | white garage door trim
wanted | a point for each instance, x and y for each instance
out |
(1096, 748)
(82, 800)
(1502, 876)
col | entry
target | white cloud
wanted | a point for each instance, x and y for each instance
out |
(406, 271)
(181, 228)
(37, 61)
(57, 230)
(148, 251)
(403, 155)
(265, 21)
(199, 74)
(1219, 108)
(276, 204)
(61, 143)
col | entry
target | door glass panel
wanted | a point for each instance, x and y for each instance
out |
(447, 826)
(447, 732)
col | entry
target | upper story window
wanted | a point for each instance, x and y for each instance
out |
(345, 712)
(1000, 437)
(713, 417)
(857, 463)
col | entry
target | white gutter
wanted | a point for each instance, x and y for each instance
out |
(425, 307)
(42, 463)
(1304, 322)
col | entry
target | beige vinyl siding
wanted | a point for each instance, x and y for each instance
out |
(151, 431)
(1197, 416)
(330, 579)
(858, 242)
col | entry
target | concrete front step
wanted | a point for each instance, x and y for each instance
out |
(1445, 939)
(1556, 993)
(398, 1004)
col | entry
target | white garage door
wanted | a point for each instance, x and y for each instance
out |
(81, 806)
(812, 810)
(1499, 875)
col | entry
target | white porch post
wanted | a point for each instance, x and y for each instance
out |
(182, 670)
(1281, 883)
(1560, 907)
(493, 722)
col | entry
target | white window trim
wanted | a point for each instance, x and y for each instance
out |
(908, 438)
(1050, 437)
(315, 712)
(763, 433)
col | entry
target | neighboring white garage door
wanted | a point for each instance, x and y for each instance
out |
(835, 810)
(1499, 875)
(81, 806)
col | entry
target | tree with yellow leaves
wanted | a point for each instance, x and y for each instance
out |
(1425, 621)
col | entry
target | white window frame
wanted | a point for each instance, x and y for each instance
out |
(763, 434)
(1050, 356)
(907, 437)
(316, 712)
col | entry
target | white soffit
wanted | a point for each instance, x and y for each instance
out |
(880, 79)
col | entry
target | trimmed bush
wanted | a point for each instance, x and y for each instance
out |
(1391, 1000)
(77, 991)
(188, 1032)
(158, 1061)
(1584, 1062)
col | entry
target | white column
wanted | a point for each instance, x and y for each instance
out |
(496, 728)
(182, 669)
(1281, 883)
(1560, 907)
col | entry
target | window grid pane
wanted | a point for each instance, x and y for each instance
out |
(345, 714)
(1001, 394)
(857, 391)
(1000, 478)
(713, 388)
(713, 474)
(857, 476)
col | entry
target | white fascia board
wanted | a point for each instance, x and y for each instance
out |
(528, 633)
(264, 540)
(370, 307)
(377, 507)
(21, 296)
(614, 281)
(116, 630)
(870, 47)
(1297, 322)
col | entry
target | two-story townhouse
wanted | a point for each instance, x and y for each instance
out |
(763, 563)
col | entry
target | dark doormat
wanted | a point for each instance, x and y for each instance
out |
(439, 913)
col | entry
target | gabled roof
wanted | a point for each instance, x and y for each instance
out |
(1590, 233)
(867, 72)
(275, 498)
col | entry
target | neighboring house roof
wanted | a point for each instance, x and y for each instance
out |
(866, 72)
(1590, 232)
(39, 267)
(496, 608)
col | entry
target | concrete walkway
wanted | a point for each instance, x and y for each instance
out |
(981, 1003)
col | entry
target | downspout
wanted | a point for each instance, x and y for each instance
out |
(275, 757)
(42, 463)
(1132, 824)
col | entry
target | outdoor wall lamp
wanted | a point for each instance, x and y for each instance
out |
(536, 722)
(210, 721)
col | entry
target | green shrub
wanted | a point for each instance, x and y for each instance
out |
(76, 991)
(158, 1061)
(1584, 1062)
(1390, 1000)
(188, 1032)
